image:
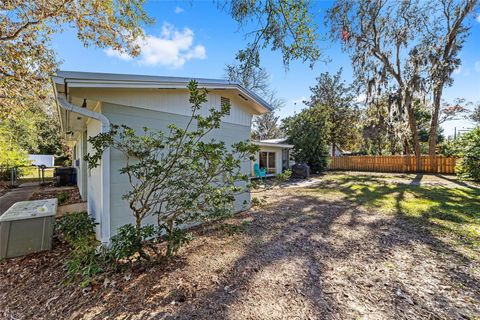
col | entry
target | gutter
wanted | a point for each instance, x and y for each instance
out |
(105, 162)
(79, 79)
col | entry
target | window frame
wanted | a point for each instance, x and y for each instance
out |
(268, 158)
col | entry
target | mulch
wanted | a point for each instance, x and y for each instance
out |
(49, 191)
(3, 188)
(296, 257)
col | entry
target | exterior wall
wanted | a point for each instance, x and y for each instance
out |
(138, 118)
(278, 158)
(94, 180)
(80, 165)
(169, 100)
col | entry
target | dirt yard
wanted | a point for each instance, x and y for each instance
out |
(340, 247)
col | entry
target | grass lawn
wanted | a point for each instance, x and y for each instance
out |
(451, 208)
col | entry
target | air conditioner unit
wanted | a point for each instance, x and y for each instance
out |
(27, 227)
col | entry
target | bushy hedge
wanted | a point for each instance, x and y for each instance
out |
(467, 147)
(84, 261)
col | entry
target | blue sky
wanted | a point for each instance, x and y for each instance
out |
(195, 39)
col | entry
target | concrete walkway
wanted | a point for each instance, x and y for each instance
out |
(22, 193)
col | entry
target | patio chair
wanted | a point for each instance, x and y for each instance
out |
(259, 173)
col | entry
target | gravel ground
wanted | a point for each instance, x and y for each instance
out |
(295, 257)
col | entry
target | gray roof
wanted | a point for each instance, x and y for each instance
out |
(67, 76)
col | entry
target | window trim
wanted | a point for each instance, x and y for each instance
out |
(269, 168)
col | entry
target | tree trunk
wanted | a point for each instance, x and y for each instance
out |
(333, 149)
(406, 148)
(413, 128)
(432, 136)
(169, 229)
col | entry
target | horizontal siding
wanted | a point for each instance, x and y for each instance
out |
(138, 118)
(171, 101)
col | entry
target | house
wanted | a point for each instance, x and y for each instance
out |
(89, 102)
(273, 156)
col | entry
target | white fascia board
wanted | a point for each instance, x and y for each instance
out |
(278, 145)
(79, 83)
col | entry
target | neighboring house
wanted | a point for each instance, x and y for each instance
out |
(274, 156)
(338, 151)
(89, 102)
(47, 160)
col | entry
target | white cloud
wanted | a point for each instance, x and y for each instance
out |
(477, 66)
(172, 48)
(178, 10)
(478, 18)
(117, 54)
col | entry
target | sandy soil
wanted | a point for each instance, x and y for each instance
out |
(296, 257)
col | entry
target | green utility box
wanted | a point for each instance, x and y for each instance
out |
(27, 227)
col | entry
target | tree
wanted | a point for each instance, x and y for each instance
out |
(256, 79)
(443, 38)
(383, 128)
(381, 39)
(27, 59)
(467, 147)
(308, 132)
(266, 126)
(178, 175)
(338, 100)
(475, 116)
(26, 28)
(285, 25)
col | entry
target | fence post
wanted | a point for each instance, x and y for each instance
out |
(12, 177)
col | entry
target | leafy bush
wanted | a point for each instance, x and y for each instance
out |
(129, 242)
(467, 147)
(308, 132)
(469, 150)
(176, 240)
(63, 197)
(284, 176)
(78, 231)
(75, 227)
(179, 175)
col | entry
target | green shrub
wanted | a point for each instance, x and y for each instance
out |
(176, 239)
(467, 146)
(284, 176)
(259, 202)
(83, 262)
(469, 143)
(75, 227)
(129, 242)
(63, 197)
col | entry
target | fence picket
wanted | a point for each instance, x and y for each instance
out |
(401, 163)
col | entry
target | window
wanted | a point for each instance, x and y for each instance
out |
(267, 161)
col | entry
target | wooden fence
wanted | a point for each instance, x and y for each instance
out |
(445, 165)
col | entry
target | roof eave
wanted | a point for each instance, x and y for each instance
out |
(180, 84)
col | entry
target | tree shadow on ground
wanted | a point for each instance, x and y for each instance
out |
(305, 255)
(294, 238)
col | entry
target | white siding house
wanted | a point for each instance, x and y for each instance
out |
(273, 156)
(89, 102)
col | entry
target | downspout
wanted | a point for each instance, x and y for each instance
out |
(105, 164)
